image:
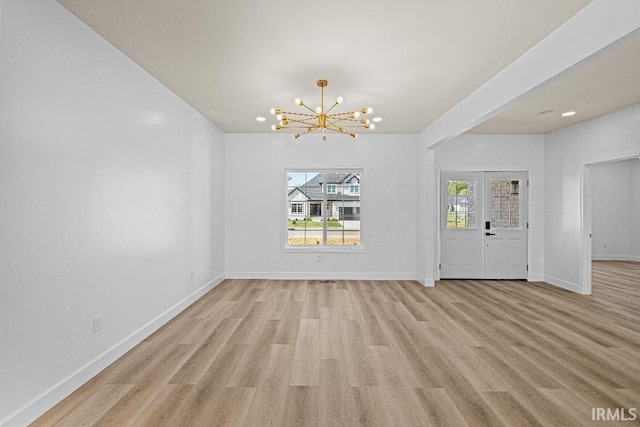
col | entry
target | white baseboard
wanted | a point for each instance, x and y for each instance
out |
(41, 404)
(429, 283)
(535, 278)
(281, 275)
(573, 287)
(615, 258)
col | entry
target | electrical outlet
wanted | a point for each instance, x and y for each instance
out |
(604, 246)
(318, 259)
(97, 323)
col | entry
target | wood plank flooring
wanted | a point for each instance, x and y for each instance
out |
(379, 353)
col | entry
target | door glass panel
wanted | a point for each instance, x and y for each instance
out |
(461, 203)
(505, 203)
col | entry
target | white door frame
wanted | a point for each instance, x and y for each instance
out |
(584, 272)
(438, 207)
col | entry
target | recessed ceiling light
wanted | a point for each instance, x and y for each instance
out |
(261, 119)
(568, 113)
(377, 119)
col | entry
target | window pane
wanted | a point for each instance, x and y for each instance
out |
(461, 202)
(302, 216)
(505, 203)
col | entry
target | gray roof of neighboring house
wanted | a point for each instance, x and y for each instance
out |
(462, 200)
(313, 190)
(333, 178)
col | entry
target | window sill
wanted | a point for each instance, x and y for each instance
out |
(325, 249)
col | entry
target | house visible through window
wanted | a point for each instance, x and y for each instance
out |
(461, 199)
(323, 208)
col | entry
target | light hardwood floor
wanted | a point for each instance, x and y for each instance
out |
(379, 353)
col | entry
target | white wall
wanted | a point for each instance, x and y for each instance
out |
(567, 152)
(427, 210)
(255, 197)
(635, 207)
(613, 216)
(111, 192)
(503, 153)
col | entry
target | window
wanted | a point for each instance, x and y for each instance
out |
(319, 213)
(505, 203)
(461, 200)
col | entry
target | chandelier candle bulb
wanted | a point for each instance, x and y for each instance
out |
(321, 119)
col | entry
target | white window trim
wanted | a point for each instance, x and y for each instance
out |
(333, 248)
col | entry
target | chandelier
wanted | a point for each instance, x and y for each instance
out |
(320, 119)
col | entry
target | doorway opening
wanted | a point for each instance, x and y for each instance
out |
(611, 221)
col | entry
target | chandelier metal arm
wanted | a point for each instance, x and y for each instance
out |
(331, 123)
(302, 119)
(339, 130)
(302, 122)
(308, 108)
(334, 104)
(352, 126)
(302, 127)
(299, 114)
(338, 120)
(350, 114)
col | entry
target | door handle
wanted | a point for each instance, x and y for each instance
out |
(489, 234)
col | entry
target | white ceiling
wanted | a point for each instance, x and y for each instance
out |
(411, 60)
(606, 83)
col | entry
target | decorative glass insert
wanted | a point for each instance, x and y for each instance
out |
(322, 209)
(461, 203)
(505, 203)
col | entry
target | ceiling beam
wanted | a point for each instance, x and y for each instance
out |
(600, 25)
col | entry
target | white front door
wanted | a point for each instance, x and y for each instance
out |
(483, 225)
(505, 240)
(461, 225)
